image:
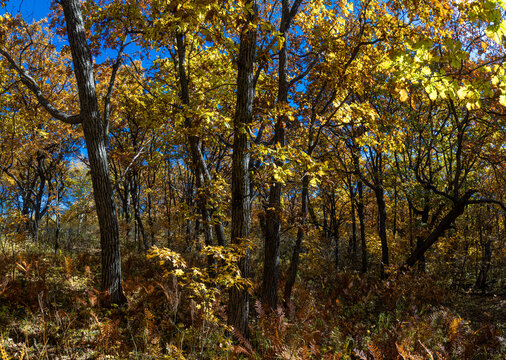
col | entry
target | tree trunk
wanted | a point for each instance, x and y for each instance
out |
(38, 210)
(168, 197)
(294, 263)
(481, 280)
(325, 223)
(199, 164)
(238, 307)
(151, 221)
(361, 219)
(352, 245)
(458, 209)
(135, 188)
(382, 214)
(95, 143)
(57, 230)
(410, 214)
(394, 231)
(274, 210)
(421, 261)
(333, 225)
(189, 197)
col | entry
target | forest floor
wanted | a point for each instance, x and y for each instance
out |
(481, 309)
(50, 309)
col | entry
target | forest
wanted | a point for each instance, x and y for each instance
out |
(253, 179)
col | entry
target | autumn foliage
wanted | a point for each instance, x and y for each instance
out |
(253, 180)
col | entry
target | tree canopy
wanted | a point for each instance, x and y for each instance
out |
(235, 157)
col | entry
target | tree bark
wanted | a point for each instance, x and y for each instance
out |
(352, 245)
(95, 143)
(334, 224)
(238, 307)
(410, 215)
(135, 188)
(274, 210)
(294, 263)
(57, 205)
(361, 218)
(382, 214)
(481, 280)
(458, 209)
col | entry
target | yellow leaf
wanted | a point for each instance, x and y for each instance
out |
(461, 93)
(280, 41)
(404, 95)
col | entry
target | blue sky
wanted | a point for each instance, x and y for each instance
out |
(30, 9)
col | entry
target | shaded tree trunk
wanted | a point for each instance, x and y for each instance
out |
(394, 230)
(361, 219)
(135, 188)
(304, 210)
(274, 210)
(238, 307)
(39, 211)
(481, 280)
(458, 209)
(382, 215)
(59, 188)
(352, 245)
(334, 229)
(294, 263)
(151, 221)
(168, 197)
(421, 261)
(410, 215)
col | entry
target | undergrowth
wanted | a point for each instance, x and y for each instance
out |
(50, 309)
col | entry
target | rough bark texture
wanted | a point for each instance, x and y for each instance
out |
(96, 146)
(238, 307)
(273, 212)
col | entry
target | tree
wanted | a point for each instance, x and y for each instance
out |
(273, 212)
(460, 111)
(238, 307)
(94, 129)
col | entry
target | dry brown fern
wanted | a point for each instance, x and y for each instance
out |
(375, 351)
(244, 346)
(3, 353)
